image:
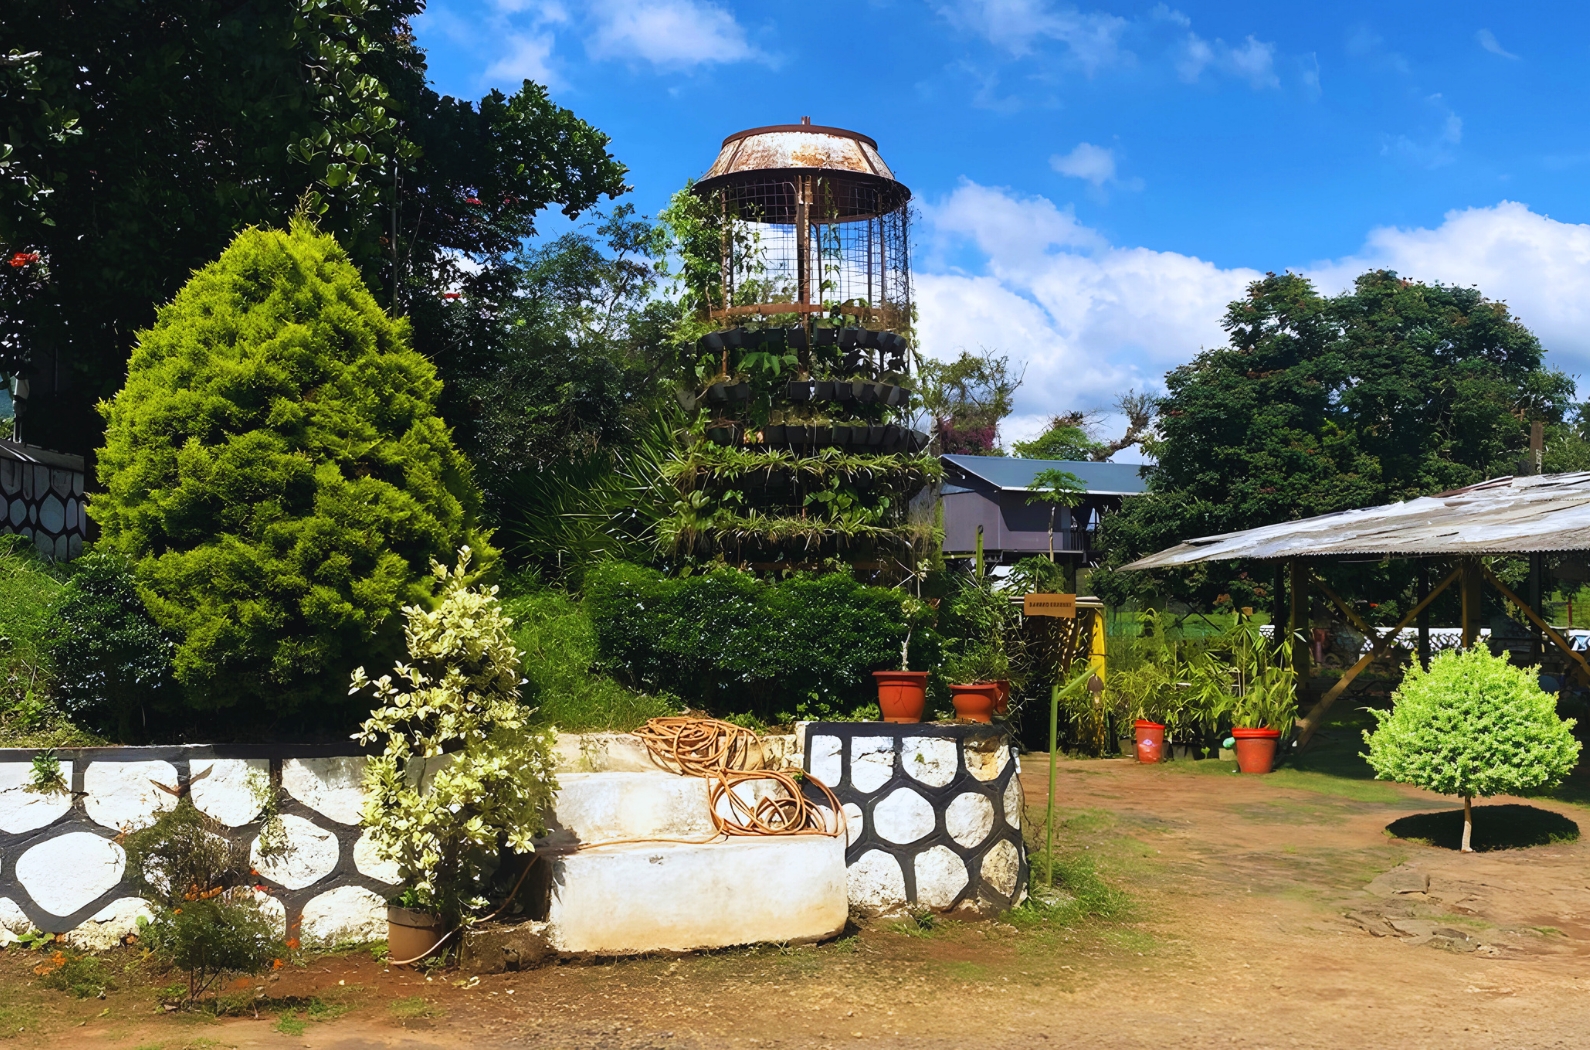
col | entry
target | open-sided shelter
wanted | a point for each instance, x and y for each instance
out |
(1532, 516)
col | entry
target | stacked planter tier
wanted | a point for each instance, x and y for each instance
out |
(933, 814)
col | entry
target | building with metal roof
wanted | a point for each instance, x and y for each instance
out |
(994, 494)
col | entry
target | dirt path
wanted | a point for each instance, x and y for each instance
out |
(1265, 912)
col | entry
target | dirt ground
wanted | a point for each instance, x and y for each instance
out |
(1259, 912)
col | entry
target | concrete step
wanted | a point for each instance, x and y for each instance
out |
(624, 753)
(623, 900)
(595, 808)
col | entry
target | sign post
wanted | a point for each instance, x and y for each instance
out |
(1061, 605)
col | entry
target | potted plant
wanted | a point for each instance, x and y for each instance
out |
(975, 674)
(1265, 705)
(902, 694)
(462, 776)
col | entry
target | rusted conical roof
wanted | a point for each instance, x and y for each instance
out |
(848, 162)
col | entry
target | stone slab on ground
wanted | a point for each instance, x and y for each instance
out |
(499, 948)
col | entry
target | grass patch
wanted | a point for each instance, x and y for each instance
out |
(559, 645)
(299, 1011)
(922, 923)
(1510, 826)
(83, 976)
(1079, 895)
(412, 1008)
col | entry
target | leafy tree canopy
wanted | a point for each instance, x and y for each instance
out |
(1391, 390)
(966, 398)
(139, 137)
(276, 468)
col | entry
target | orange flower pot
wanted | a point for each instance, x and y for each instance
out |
(1002, 701)
(975, 701)
(902, 695)
(1150, 741)
(1256, 749)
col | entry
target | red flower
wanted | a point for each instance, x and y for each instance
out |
(21, 259)
(450, 295)
(471, 200)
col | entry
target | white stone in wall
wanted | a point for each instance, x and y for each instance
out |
(333, 786)
(25, 472)
(1013, 802)
(5, 508)
(70, 871)
(12, 921)
(19, 512)
(74, 545)
(969, 818)
(10, 481)
(310, 856)
(61, 548)
(823, 754)
(1001, 867)
(929, 759)
(61, 481)
(987, 758)
(875, 884)
(107, 927)
(77, 483)
(273, 911)
(853, 827)
(22, 809)
(940, 877)
(871, 762)
(41, 480)
(227, 792)
(903, 816)
(369, 862)
(347, 913)
(124, 795)
(52, 514)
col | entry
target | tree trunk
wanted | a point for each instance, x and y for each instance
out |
(1468, 822)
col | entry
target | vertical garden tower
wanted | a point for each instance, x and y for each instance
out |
(803, 453)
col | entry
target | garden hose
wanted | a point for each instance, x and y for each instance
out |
(727, 756)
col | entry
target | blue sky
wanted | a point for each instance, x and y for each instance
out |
(1094, 182)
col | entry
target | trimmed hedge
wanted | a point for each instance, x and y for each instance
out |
(725, 641)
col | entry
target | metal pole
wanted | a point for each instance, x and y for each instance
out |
(1424, 617)
(1048, 823)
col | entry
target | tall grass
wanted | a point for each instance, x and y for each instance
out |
(559, 646)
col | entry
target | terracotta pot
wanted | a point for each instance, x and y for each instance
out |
(975, 701)
(1002, 701)
(902, 695)
(1256, 749)
(410, 934)
(1150, 741)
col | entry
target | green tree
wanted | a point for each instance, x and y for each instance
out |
(137, 138)
(1473, 725)
(966, 399)
(1058, 488)
(1066, 438)
(276, 469)
(1391, 390)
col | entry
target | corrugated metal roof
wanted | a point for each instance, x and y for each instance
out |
(1526, 515)
(784, 147)
(1016, 475)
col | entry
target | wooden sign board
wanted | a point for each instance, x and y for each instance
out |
(1061, 605)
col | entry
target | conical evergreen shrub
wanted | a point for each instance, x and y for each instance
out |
(276, 467)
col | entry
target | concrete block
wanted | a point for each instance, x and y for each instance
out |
(623, 900)
(602, 753)
(498, 948)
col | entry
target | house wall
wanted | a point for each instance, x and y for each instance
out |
(1011, 523)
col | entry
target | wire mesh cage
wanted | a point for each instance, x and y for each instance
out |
(802, 233)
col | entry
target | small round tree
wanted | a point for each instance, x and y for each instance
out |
(1472, 725)
(276, 469)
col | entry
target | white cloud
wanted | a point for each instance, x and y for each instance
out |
(1488, 41)
(528, 57)
(1092, 319)
(1019, 26)
(1540, 267)
(1095, 164)
(1253, 60)
(670, 34)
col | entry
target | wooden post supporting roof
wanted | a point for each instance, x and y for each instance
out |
(1378, 645)
(1580, 667)
(1297, 627)
(1469, 587)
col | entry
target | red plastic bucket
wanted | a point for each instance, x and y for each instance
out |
(1150, 741)
(1256, 749)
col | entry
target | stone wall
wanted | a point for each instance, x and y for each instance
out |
(41, 497)
(63, 871)
(933, 813)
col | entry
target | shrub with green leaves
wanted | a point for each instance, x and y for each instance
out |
(276, 469)
(1473, 725)
(208, 939)
(462, 775)
(112, 662)
(184, 855)
(804, 647)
